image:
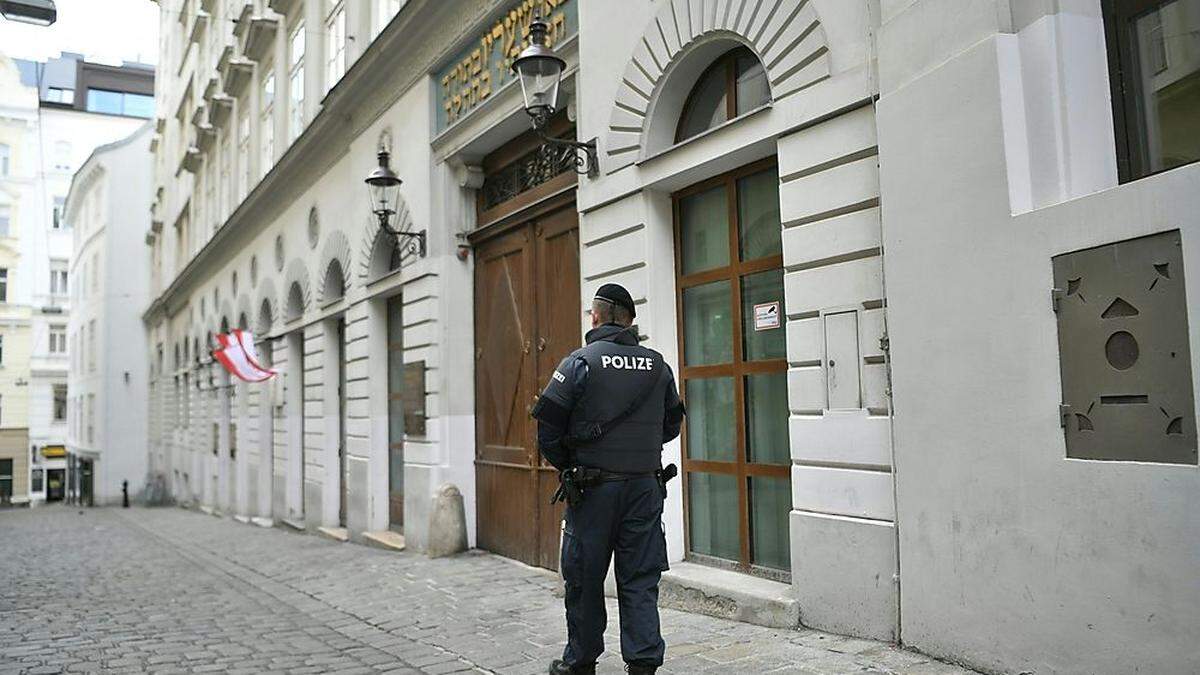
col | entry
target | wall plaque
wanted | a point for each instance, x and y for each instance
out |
(414, 398)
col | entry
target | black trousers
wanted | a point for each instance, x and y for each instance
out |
(622, 518)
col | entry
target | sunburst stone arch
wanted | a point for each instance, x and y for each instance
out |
(335, 260)
(683, 38)
(267, 307)
(378, 252)
(227, 318)
(243, 312)
(296, 283)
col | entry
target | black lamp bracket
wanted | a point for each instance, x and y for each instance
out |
(586, 161)
(415, 240)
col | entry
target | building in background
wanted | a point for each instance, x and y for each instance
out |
(757, 158)
(56, 113)
(108, 206)
(18, 194)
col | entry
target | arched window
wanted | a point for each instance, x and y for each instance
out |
(295, 301)
(264, 317)
(733, 85)
(335, 282)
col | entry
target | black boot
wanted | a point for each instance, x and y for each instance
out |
(635, 669)
(560, 667)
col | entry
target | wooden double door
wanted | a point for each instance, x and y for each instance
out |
(527, 318)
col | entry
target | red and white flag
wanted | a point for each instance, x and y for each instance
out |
(236, 352)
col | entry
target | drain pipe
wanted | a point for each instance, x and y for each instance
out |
(874, 23)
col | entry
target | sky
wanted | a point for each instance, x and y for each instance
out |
(105, 31)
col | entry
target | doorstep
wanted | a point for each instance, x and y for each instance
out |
(295, 524)
(245, 520)
(335, 533)
(729, 595)
(263, 522)
(385, 539)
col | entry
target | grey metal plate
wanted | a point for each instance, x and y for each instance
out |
(1123, 351)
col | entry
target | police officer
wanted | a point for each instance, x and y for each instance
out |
(602, 421)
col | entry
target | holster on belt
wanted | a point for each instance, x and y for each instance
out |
(664, 476)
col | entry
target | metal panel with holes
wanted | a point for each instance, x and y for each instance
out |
(1123, 351)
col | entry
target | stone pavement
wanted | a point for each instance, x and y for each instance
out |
(173, 591)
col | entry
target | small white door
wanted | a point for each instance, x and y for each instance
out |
(842, 360)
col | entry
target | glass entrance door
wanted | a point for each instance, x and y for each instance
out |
(734, 375)
(395, 346)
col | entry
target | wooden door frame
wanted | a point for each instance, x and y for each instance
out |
(740, 468)
(511, 225)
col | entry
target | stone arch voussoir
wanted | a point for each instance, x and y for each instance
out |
(337, 248)
(785, 35)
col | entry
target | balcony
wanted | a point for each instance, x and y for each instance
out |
(206, 136)
(212, 87)
(243, 20)
(282, 6)
(260, 37)
(191, 161)
(198, 116)
(199, 23)
(235, 72)
(220, 107)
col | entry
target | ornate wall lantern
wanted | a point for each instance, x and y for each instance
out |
(540, 71)
(384, 187)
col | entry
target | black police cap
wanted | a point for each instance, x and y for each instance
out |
(616, 294)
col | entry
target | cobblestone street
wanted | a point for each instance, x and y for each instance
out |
(169, 590)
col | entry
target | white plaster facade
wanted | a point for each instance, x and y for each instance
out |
(916, 127)
(108, 207)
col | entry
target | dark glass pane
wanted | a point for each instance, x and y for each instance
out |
(763, 335)
(139, 105)
(706, 104)
(395, 420)
(770, 503)
(708, 324)
(704, 230)
(1166, 45)
(395, 363)
(713, 515)
(767, 419)
(760, 234)
(753, 91)
(710, 419)
(99, 100)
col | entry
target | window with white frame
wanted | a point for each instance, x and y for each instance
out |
(62, 156)
(58, 280)
(385, 10)
(266, 123)
(5, 219)
(335, 43)
(3, 284)
(60, 95)
(1, 349)
(243, 186)
(58, 340)
(91, 345)
(226, 195)
(91, 418)
(57, 220)
(296, 83)
(60, 403)
(5, 159)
